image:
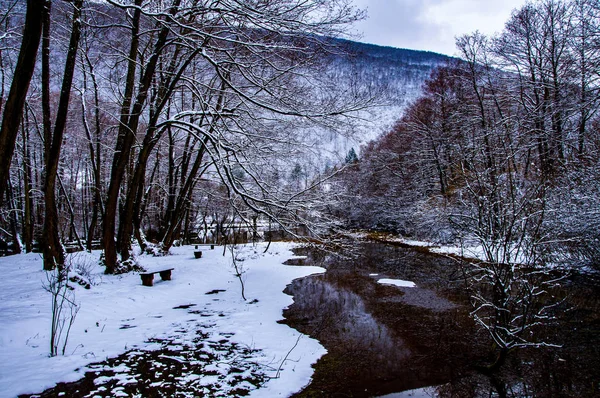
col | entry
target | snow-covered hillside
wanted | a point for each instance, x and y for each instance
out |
(392, 76)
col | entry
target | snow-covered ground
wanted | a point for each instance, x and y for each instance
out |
(396, 282)
(117, 314)
(426, 392)
(472, 251)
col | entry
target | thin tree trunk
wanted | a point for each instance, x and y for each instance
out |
(47, 140)
(140, 209)
(95, 155)
(53, 252)
(71, 213)
(46, 113)
(13, 219)
(176, 216)
(27, 215)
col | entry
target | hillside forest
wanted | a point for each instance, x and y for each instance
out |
(501, 148)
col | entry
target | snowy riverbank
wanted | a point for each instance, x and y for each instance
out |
(118, 314)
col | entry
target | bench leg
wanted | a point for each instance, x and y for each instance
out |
(165, 275)
(147, 279)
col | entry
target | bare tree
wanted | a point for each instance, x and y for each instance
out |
(64, 309)
(52, 249)
(13, 107)
(236, 68)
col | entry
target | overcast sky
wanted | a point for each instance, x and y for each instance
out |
(431, 24)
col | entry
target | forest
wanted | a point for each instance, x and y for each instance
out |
(501, 148)
(144, 120)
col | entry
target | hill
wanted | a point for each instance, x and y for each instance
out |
(394, 76)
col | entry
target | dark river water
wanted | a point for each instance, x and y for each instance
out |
(383, 339)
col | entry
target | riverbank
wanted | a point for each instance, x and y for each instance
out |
(195, 333)
(467, 252)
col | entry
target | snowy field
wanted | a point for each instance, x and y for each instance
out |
(118, 315)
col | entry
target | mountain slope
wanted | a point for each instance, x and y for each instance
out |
(394, 76)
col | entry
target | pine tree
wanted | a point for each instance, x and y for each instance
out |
(351, 157)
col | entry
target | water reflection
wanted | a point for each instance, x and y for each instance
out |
(386, 339)
(380, 338)
(342, 317)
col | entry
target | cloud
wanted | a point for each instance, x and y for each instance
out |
(397, 21)
(431, 24)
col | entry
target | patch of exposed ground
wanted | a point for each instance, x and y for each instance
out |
(194, 362)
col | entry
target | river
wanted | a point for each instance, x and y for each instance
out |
(384, 339)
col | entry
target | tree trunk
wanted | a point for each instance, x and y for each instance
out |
(13, 219)
(127, 129)
(95, 151)
(13, 108)
(45, 240)
(140, 206)
(46, 113)
(175, 217)
(27, 208)
(134, 195)
(53, 252)
(121, 156)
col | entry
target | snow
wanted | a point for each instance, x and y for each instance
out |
(426, 392)
(118, 314)
(406, 241)
(477, 252)
(396, 282)
(471, 251)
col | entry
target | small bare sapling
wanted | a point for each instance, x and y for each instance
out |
(64, 309)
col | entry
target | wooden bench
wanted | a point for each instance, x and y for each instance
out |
(148, 277)
(212, 246)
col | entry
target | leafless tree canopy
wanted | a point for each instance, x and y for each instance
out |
(145, 113)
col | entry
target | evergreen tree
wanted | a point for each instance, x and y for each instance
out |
(351, 157)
